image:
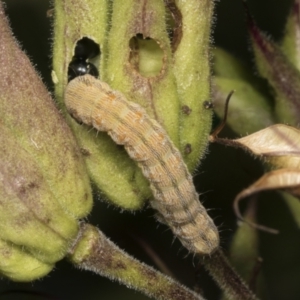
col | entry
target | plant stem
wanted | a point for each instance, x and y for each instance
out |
(226, 277)
(93, 251)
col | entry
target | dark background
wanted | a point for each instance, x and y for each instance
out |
(222, 175)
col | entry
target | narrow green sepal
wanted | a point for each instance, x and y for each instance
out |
(192, 72)
(290, 42)
(282, 76)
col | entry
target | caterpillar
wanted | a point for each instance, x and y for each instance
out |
(94, 103)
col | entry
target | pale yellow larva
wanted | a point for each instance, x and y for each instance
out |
(94, 103)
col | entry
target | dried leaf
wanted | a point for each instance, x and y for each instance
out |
(275, 141)
(279, 146)
(287, 179)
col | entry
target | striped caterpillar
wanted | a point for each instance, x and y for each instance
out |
(94, 103)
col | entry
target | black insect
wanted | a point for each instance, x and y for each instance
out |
(79, 67)
(85, 50)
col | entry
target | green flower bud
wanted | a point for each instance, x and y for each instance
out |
(109, 167)
(30, 214)
(163, 67)
(44, 188)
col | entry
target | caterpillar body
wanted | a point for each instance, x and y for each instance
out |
(94, 103)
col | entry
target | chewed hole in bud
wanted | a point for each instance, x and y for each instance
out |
(86, 58)
(146, 56)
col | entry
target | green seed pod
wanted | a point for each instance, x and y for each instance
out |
(109, 167)
(44, 187)
(155, 60)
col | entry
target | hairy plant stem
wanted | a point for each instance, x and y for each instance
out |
(226, 277)
(93, 251)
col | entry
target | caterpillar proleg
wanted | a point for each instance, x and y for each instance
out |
(94, 103)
